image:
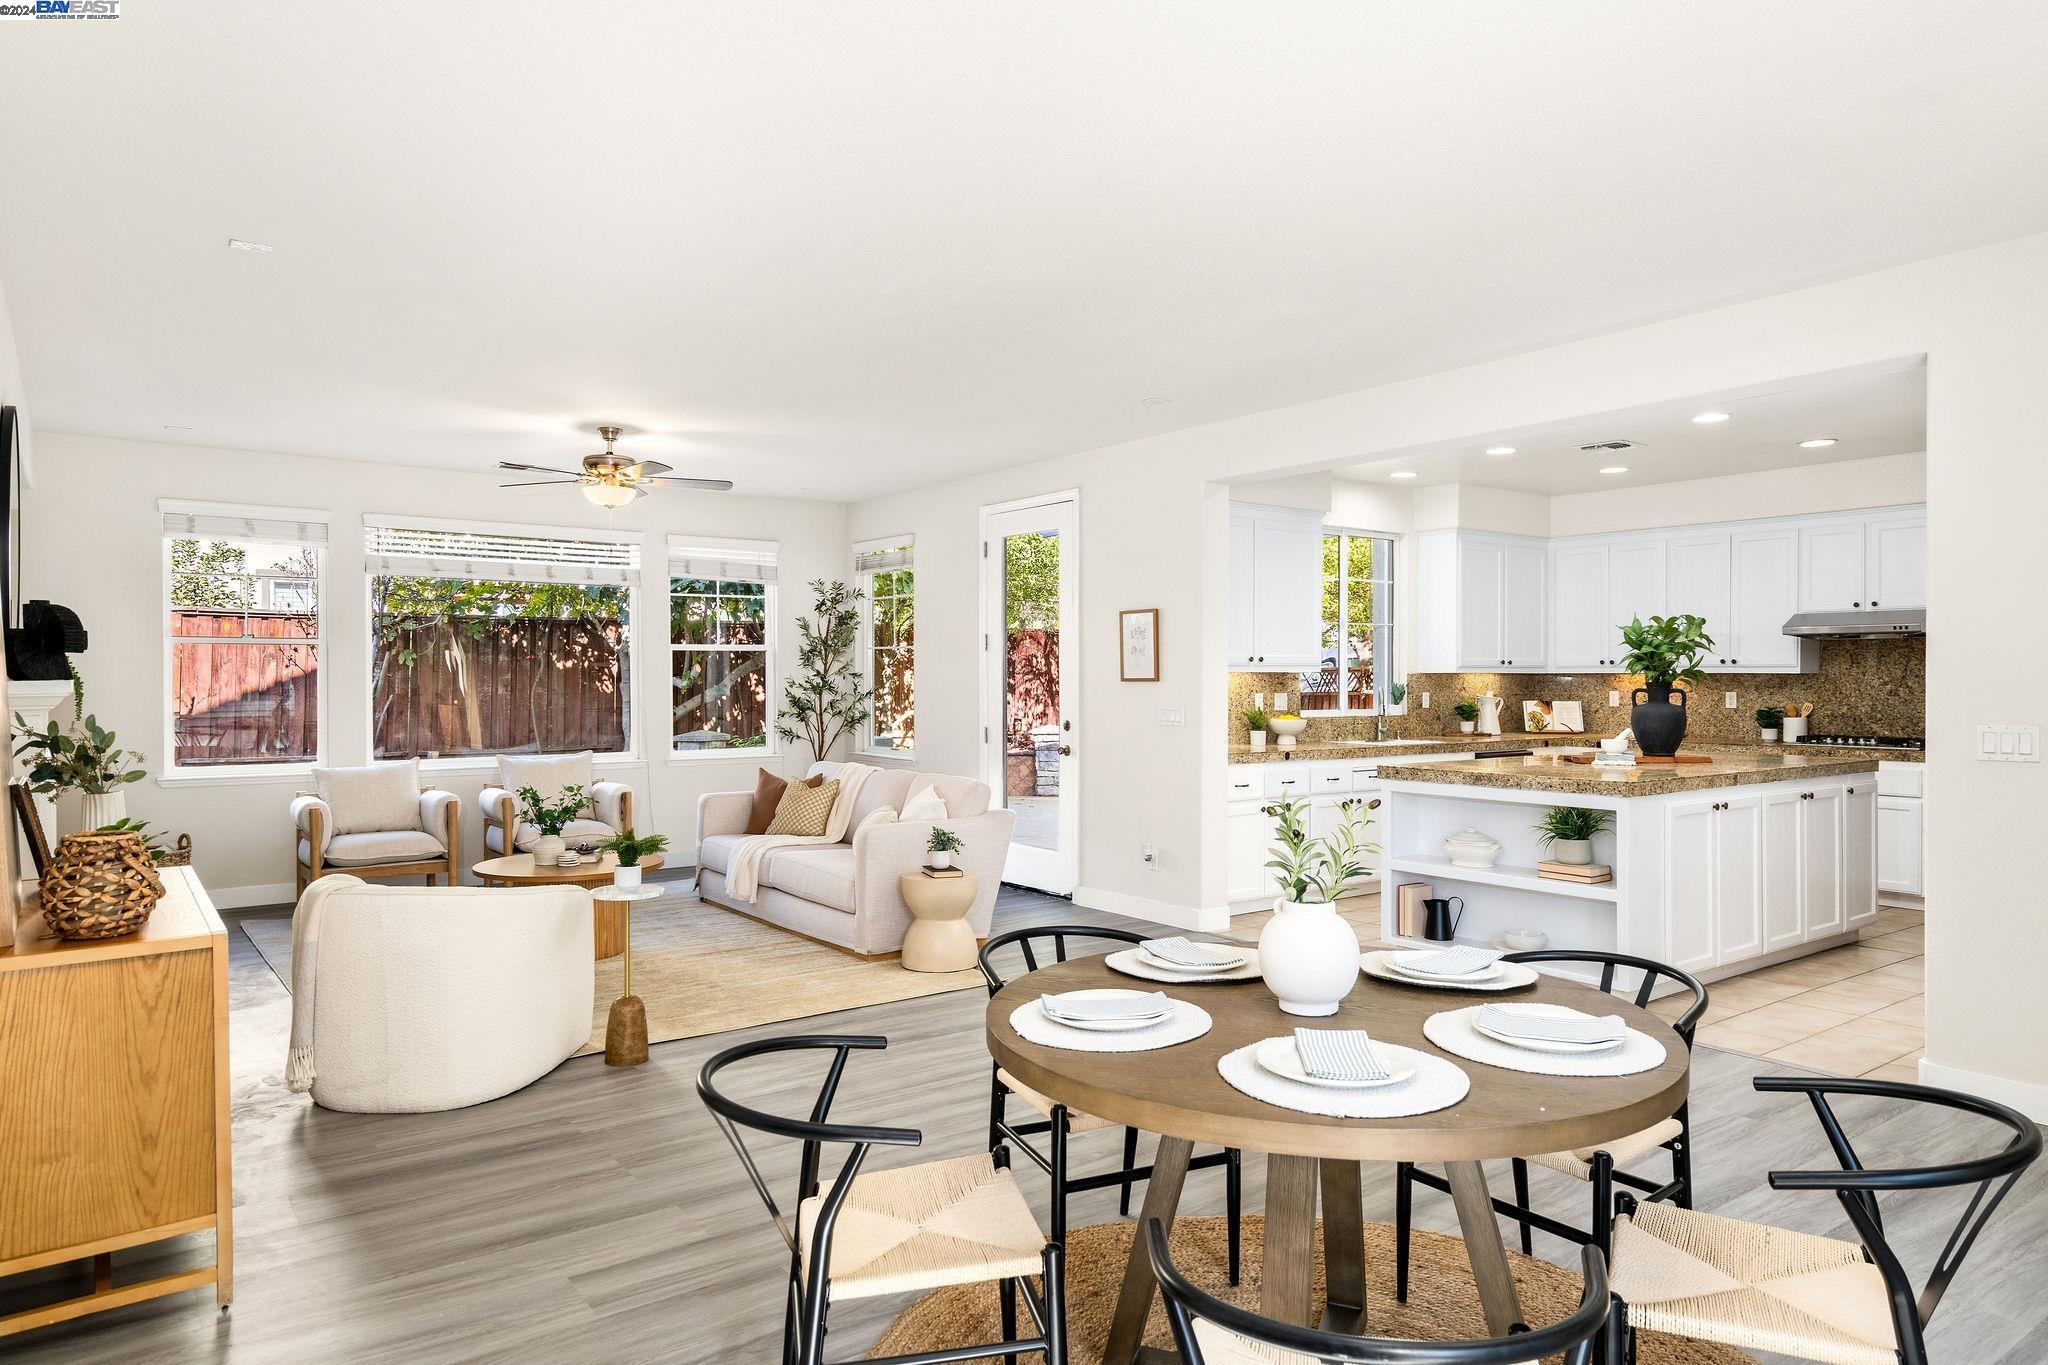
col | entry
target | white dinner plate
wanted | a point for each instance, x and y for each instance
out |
(1110, 1025)
(1282, 1058)
(1394, 963)
(1166, 965)
(1547, 1044)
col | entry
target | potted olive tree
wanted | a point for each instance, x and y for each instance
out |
(1666, 651)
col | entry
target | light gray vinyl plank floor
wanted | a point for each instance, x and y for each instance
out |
(598, 1216)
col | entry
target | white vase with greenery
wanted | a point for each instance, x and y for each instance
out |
(1308, 955)
(84, 758)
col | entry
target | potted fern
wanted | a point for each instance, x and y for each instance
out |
(631, 848)
(550, 815)
(1308, 955)
(1567, 831)
(1255, 725)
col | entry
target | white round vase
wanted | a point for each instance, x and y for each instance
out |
(97, 812)
(1308, 956)
(547, 850)
(626, 876)
(940, 861)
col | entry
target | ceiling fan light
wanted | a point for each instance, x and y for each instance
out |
(610, 495)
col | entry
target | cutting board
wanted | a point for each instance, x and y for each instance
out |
(1644, 758)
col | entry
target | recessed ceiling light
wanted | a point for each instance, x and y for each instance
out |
(1615, 469)
(1402, 474)
(1155, 401)
(1707, 419)
(169, 427)
(1817, 442)
(1500, 450)
(237, 244)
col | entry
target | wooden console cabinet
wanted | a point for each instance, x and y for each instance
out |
(114, 1122)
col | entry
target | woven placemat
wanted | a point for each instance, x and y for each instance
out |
(1185, 1023)
(1453, 1031)
(1132, 963)
(1436, 1084)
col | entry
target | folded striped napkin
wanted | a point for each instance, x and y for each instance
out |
(1150, 1005)
(1188, 953)
(1571, 1026)
(1460, 961)
(1339, 1054)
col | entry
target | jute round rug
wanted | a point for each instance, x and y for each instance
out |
(1442, 1303)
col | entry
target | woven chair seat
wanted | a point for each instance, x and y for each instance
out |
(1751, 1285)
(1221, 1346)
(921, 1227)
(1578, 1163)
(1077, 1122)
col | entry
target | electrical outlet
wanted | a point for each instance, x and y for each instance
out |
(1613, 697)
(1728, 700)
(2009, 743)
(1149, 856)
(1173, 715)
(1425, 701)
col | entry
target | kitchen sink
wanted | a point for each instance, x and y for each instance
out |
(1389, 743)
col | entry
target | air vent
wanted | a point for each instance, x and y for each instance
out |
(1612, 445)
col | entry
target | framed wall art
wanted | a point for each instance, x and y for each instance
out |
(1138, 653)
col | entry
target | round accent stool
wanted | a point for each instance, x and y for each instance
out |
(940, 939)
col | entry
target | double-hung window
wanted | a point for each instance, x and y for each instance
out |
(888, 576)
(498, 639)
(721, 630)
(1357, 660)
(242, 634)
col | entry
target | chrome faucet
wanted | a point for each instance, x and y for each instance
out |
(1379, 725)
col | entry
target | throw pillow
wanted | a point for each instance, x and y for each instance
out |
(548, 774)
(925, 805)
(805, 810)
(768, 789)
(371, 800)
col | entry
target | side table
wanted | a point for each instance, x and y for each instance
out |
(625, 1028)
(939, 940)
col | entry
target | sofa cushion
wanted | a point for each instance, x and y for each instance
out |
(381, 796)
(925, 804)
(548, 774)
(768, 789)
(821, 873)
(885, 788)
(389, 846)
(965, 797)
(714, 851)
(805, 811)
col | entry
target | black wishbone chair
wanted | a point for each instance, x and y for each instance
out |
(1209, 1331)
(1815, 1298)
(1061, 1123)
(1594, 1165)
(1000, 1243)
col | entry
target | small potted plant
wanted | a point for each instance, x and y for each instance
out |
(1397, 699)
(1255, 723)
(1567, 831)
(1768, 719)
(941, 847)
(550, 817)
(1468, 716)
(85, 760)
(631, 848)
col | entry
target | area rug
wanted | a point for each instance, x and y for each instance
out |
(704, 970)
(1442, 1303)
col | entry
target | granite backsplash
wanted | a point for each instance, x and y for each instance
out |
(1866, 687)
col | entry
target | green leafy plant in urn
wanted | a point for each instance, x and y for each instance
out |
(1667, 651)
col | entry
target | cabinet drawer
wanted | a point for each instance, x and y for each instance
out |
(1287, 779)
(1363, 775)
(1902, 779)
(1246, 781)
(1330, 777)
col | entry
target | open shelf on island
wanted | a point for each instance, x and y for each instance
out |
(1440, 868)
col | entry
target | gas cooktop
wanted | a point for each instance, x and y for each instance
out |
(1866, 741)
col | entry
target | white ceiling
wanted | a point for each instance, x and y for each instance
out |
(829, 249)
(1868, 415)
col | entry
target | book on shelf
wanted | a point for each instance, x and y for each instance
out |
(1408, 916)
(939, 873)
(1575, 872)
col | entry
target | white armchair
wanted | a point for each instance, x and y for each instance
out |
(610, 809)
(430, 849)
(411, 999)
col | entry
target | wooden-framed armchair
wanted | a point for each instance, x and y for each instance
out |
(431, 849)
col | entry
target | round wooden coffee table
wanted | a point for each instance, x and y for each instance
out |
(608, 918)
(1177, 1093)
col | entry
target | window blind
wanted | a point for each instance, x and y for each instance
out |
(435, 552)
(881, 561)
(742, 561)
(255, 523)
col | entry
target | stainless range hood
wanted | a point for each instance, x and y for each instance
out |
(1858, 625)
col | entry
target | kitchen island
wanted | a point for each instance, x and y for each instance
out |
(1756, 856)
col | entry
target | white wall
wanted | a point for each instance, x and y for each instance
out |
(94, 545)
(1154, 537)
(1846, 485)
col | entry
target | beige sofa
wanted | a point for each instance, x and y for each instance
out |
(845, 894)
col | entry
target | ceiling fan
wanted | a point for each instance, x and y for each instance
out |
(610, 479)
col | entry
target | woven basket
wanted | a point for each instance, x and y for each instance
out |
(99, 885)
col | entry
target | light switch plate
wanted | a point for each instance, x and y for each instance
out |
(1613, 697)
(1173, 715)
(2009, 743)
(1425, 701)
(1728, 700)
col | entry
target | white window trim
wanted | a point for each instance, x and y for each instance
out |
(771, 614)
(485, 763)
(175, 774)
(1390, 628)
(864, 740)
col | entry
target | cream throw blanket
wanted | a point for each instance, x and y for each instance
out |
(298, 1068)
(743, 879)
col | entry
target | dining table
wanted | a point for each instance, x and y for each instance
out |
(1178, 1093)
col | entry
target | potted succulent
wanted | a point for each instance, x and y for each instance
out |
(1397, 699)
(1666, 651)
(84, 759)
(1567, 831)
(1468, 716)
(631, 848)
(550, 817)
(1308, 955)
(940, 848)
(1768, 719)
(1255, 724)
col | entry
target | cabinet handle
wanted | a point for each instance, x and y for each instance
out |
(1873, 601)
(1855, 604)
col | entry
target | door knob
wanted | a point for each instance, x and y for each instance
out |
(1066, 749)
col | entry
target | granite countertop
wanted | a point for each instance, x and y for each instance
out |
(1308, 752)
(1731, 767)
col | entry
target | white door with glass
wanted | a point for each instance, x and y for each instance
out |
(1031, 559)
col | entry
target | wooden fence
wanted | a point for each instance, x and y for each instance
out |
(499, 685)
(250, 699)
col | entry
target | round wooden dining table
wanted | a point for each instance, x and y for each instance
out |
(1177, 1093)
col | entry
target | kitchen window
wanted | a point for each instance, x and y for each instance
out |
(888, 576)
(242, 635)
(498, 640)
(1357, 614)
(721, 646)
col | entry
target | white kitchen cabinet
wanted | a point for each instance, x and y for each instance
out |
(1896, 561)
(1832, 566)
(1859, 853)
(1822, 858)
(1901, 836)
(1525, 631)
(1714, 875)
(1784, 926)
(1482, 603)
(1579, 622)
(1248, 836)
(1696, 584)
(1739, 893)
(1763, 594)
(1636, 589)
(1276, 569)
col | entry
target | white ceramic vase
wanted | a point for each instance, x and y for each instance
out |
(1308, 956)
(1576, 851)
(1466, 727)
(97, 812)
(547, 850)
(626, 876)
(940, 861)
(1258, 739)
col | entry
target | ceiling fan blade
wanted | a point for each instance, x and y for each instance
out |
(650, 468)
(543, 483)
(710, 485)
(535, 469)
